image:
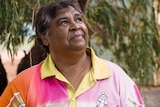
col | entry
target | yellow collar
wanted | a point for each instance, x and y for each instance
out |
(99, 67)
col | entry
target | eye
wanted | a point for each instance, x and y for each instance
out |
(64, 22)
(78, 20)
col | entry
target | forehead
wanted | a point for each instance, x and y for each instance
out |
(65, 11)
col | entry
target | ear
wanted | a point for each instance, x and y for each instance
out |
(44, 39)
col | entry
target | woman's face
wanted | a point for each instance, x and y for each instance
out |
(67, 33)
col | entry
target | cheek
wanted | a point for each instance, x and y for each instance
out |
(58, 36)
(85, 29)
(61, 35)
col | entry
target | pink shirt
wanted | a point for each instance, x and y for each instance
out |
(105, 85)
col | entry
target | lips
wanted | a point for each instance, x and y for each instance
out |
(77, 35)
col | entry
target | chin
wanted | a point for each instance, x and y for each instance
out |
(79, 48)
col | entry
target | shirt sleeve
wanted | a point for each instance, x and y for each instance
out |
(130, 94)
(127, 88)
(11, 97)
(134, 98)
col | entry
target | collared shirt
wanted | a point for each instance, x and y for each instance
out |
(106, 84)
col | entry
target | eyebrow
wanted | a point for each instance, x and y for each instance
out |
(61, 18)
(78, 14)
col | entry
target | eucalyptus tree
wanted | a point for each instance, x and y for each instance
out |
(124, 31)
(15, 16)
(127, 32)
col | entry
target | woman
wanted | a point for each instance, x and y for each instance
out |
(71, 75)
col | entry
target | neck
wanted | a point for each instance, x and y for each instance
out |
(68, 58)
(74, 68)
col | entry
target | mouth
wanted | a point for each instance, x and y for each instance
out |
(77, 35)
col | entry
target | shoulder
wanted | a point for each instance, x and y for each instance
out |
(124, 85)
(113, 67)
(26, 75)
(19, 84)
(118, 73)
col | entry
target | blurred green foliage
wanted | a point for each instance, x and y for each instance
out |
(128, 30)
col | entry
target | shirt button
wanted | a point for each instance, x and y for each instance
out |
(81, 89)
(73, 99)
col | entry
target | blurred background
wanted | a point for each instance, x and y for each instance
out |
(126, 32)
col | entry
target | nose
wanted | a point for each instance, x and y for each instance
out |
(74, 26)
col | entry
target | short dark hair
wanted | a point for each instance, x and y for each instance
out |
(48, 12)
